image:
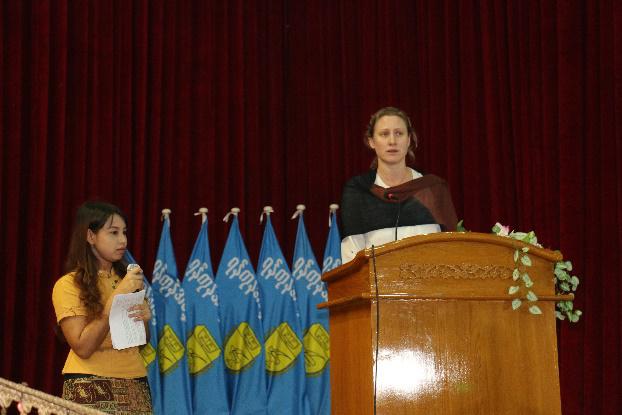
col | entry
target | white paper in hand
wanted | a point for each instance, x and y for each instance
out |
(124, 331)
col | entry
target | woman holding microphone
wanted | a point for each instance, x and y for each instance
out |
(95, 374)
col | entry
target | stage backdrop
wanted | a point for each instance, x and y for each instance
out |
(183, 104)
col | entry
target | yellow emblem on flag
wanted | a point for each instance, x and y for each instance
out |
(170, 350)
(148, 353)
(241, 348)
(317, 349)
(282, 349)
(202, 350)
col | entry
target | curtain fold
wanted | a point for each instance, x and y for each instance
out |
(165, 104)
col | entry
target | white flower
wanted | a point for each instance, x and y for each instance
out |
(501, 230)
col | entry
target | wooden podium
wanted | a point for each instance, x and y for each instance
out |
(448, 339)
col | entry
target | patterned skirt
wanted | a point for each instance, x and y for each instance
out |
(110, 395)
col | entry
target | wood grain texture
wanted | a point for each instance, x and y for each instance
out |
(448, 339)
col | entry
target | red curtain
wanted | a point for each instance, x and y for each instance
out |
(165, 104)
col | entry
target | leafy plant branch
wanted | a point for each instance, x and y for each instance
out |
(520, 275)
(522, 287)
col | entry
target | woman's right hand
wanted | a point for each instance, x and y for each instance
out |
(133, 281)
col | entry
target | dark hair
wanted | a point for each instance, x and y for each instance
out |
(81, 260)
(391, 111)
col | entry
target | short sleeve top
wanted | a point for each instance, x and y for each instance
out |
(105, 361)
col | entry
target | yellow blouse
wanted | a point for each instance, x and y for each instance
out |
(105, 361)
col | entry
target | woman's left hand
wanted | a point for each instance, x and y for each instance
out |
(140, 312)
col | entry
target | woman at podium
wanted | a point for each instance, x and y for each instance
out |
(392, 200)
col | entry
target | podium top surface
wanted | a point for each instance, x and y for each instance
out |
(362, 258)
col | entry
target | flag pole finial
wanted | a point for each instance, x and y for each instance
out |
(166, 213)
(203, 212)
(234, 211)
(267, 210)
(333, 209)
(298, 212)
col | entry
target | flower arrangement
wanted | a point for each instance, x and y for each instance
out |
(522, 283)
(564, 282)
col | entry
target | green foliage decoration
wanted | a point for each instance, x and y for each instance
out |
(565, 284)
(522, 285)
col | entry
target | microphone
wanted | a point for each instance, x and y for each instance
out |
(393, 198)
(131, 267)
(390, 196)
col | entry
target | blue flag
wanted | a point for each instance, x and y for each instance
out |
(240, 316)
(332, 252)
(311, 291)
(204, 343)
(285, 367)
(174, 382)
(148, 351)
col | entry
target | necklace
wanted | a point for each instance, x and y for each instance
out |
(113, 279)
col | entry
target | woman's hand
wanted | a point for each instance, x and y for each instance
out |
(140, 312)
(133, 281)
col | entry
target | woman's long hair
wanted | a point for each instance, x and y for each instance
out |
(82, 261)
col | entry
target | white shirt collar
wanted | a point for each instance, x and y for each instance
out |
(381, 183)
